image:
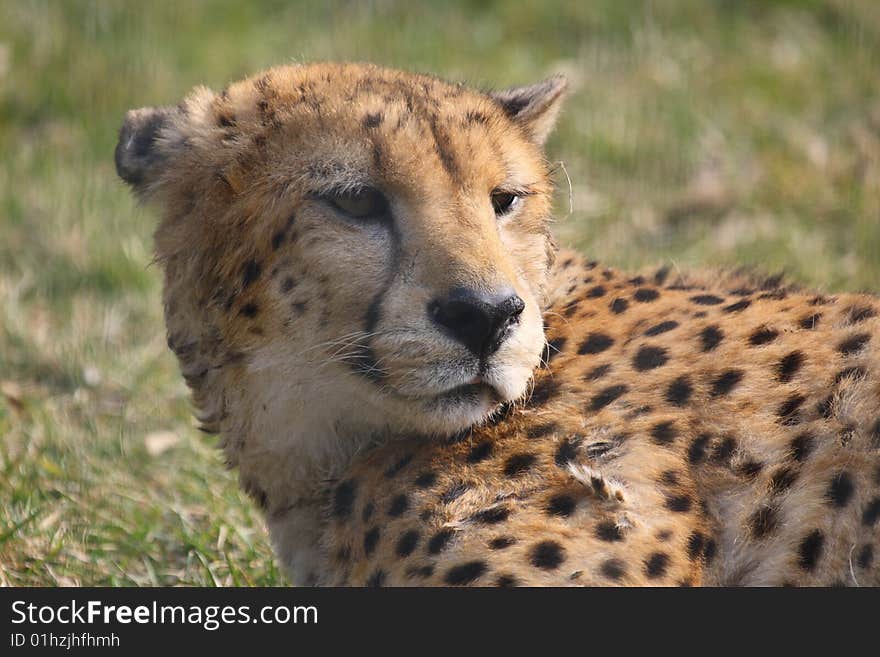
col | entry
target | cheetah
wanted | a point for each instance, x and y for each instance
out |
(418, 388)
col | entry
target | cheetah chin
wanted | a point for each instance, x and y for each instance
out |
(364, 296)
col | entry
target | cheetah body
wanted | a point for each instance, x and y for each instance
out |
(717, 430)
(683, 430)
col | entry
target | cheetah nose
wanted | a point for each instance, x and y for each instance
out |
(479, 321)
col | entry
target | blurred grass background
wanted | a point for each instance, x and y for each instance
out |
(701, 132)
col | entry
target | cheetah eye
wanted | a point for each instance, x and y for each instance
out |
(504, 202)
(363, 204)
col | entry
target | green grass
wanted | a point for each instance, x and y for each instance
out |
(698, 132)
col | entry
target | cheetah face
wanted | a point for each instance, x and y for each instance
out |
(364, 232)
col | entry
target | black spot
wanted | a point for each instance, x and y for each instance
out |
(763, 521)
(554, 348)
(257, 494)
(810, 321)
(544, 390)
(567, 451)
(226, 121)
(875, 438)
(663, 433)
(854, 372)
(547, 555)
(518, 463)
(789, 366)
(697, 449)
(679, 391)
(801, 446)
(696, 541)
(595, 343)
(287, 285)
(606, 396)
(597, 372)
(619, 306)
(277, 240)
(492, 516)
(367, 513)
(343, 554)
(343, 499)
(465, 573)
(871, 513)
(788, 410)
(439, 540)
(679, 503)
(480, 452)
(660, 275)
(810, 550)
(250, 272)
(825, 408)
(840, 490)
(613, 569)
(860, 314)
(707, 300)
(853, 343)
(865, 556)
(595, 292)
(397, 467)
(782, 479)
(711, 337)
(750, 468)
(607, 530)
(373, 120)
(371, 538)
(407, 543)
(398, 506)
(645, 295)
(662, 327)
(778, 294)
(506, 581)
(422, 572)
(637, 280)
(561, 505)
(724, 449)
(376, 579)
(454, 492)
(475, 116)
(425, 480)
(250, 310)
(501, 542)
(656, 565)
(737, 307)
(541, 430)
(709, 552)
(726, 381)
(762, 336)
(648, 358)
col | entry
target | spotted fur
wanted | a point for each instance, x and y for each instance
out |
(656, 455)
(651, 429)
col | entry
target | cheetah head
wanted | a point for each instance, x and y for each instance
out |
(351, 238)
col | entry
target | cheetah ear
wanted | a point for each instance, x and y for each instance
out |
(139, 153)
(534, 107)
